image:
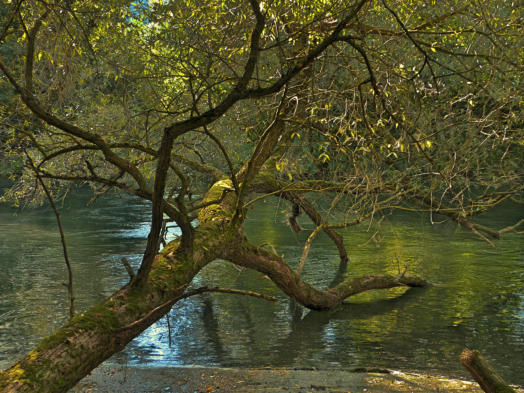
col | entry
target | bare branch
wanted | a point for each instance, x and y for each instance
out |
(307, 247)
(244, 292)
(62, 237)
(167, 305)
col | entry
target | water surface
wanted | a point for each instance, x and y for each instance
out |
(476, 300)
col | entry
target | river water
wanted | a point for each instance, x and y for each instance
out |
(476, 298)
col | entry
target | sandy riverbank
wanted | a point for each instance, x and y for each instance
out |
(119, 379)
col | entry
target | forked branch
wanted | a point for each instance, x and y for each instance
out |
(272, 265)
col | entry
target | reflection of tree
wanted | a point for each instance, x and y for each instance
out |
(212, 330)
(307, 334)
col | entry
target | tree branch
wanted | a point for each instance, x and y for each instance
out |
(307, 247)
(289, 282)
(167, 305)
(69, 284)
(153, 239)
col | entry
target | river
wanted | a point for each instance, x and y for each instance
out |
(476, 298)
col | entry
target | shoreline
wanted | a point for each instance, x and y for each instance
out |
(199, 379)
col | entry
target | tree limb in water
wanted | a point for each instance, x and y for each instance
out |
(272, 265)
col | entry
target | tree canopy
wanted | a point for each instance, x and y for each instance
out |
(203, 107)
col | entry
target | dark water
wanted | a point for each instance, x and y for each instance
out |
(477, 297)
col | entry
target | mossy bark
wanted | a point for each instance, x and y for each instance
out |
(88, 339)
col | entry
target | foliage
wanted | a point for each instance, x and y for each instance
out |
(372, 105)
(422, 99)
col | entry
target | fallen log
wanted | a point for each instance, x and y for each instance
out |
(483, 373)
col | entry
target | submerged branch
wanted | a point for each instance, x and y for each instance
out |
(307, 247)
(512, 228)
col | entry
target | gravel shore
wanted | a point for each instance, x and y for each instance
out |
(120, 379)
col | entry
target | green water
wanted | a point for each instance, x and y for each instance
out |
(476, 300)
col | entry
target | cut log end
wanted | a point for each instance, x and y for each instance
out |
(466, 357)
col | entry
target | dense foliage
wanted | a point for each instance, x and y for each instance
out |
(420, 101)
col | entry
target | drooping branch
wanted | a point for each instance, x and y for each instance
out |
(294, 193)
(169, 209)
(272, 265)
(69, 284)
(461, 218)
(32, 103)
(316, 217)
(215, 173)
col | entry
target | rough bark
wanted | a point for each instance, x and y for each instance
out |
(88, 339)
(483, 373)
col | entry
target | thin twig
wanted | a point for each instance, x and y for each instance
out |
(194, 292)
(307, 247)
(229, 290)
(69, 284)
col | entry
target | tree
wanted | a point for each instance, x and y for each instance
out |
(370, 106)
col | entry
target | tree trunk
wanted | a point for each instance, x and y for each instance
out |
(88, 339)
(483, 373)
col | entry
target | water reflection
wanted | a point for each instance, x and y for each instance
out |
(476, 299)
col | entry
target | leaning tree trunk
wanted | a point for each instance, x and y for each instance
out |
(88, 339)
(65, 357)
